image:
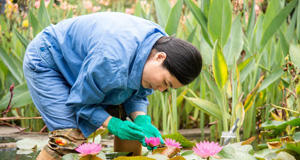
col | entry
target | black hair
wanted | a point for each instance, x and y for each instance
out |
(183, 59)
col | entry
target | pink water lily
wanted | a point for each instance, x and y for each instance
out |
(172, 143)
(89, 149)
(205, 149)
(152, 141)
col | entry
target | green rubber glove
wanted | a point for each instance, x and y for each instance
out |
(125, 130)
(144, 121)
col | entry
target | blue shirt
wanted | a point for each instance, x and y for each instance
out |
(102, 56)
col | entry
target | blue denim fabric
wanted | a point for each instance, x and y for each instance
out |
(80, 66)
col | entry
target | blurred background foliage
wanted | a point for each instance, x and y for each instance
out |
(249, 49)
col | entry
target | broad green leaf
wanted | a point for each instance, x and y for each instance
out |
(255, 43)
(213, 86)
(163, 10)
(276, 22)
(235, 42)
(239, 113)
(292, 25)
(21, 97)
(227, 152)
(243, 65)
(296, 136)
(298, 21)
(187, 153)
(50, 6)
(70, 156)
(273, 9)
(70, 13)
(251, 21)
(36, 26)
(284, 42)
(252, 95)
(205, 106)
(281, 125)
(287, 156)
(192, 35)
(30, 143)
(138, 9)
(219, 67)
(174, 18)
(271, 79)
(295, 54)
(265, 153)
(23, 40)
(202, 20)
(43, 15)
(205, 7)
(13, 68)
(219, 21)
(206, 51)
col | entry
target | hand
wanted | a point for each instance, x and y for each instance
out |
(144, 121)
(125, 130)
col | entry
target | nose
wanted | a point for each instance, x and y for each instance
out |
(162, 88)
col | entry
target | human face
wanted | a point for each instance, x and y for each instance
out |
(156, 77)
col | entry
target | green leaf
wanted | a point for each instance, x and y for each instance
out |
(43, 15)
(271, 79)
(219, 21)
(71, 156)
(298, 22)
(205, 7)
(295, 54)
(292, 25)
(251, 21)
(192, 35)
(50, 6)
(273, 9)
(296, 136)
(219, 66)
(205, 106)
(13, 67)
(114, 155)
(187, 153)
(213, 86)
(235, 42)
(23, 40)
(185, 143)
(174, 18)
(21, 97)
(200, 17)
(36, 26)
(276, 22)
(284, 42)
(227, 152)
(206, 50)
(163, 9)
(286, 156)
(243, 64)
(281, 125)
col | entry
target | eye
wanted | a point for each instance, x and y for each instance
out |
(166, 83)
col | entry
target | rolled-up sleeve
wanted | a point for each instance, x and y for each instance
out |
(138, 102)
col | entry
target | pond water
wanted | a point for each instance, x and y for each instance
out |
(11, 153)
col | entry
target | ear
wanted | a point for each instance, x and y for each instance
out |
(160, 56)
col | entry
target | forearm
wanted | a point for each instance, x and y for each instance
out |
(105, 123)
(133, 115)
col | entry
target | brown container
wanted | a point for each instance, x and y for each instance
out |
(127, 146)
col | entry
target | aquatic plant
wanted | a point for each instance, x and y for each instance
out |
(206, 149)
(89, 149)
